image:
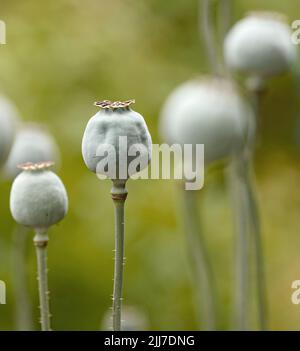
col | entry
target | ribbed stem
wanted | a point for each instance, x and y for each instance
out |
(202, 275)
(41, 242)
(239, 197)
(19, 276)
(206, 30)
(119, 194)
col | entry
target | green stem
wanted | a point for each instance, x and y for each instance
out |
(206, 29)
(224, 22)
(119, 194)
(41, 241)
(248, 216)
(22, 301)
(257, 86)
(224, 17)
(203, 281)
(239, 198)
(258, 251)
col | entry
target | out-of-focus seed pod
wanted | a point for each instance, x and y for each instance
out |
(260, 44)
(32, 144)
(8, 120)
(208, 111)
(38, 198)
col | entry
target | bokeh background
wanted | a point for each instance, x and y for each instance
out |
(63, 55)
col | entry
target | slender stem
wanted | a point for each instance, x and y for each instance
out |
(41, 241)
(257, 86)
(202, 279)
(239, 198)
(258, 250)
(119, 194)
(224, 17)
(206, 29)
(22, 301)
(224, 22)
(248, 217)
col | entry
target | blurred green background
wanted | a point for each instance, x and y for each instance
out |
(63, 55)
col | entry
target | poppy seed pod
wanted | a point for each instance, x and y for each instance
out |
(260, 44)
(208, 111)
(113, 139)
(118, 126)
(32, 144)
(8, 118)
(38, 198)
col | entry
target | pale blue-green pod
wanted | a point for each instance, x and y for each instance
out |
(9, 117)
(208, 111)
(32, 144)
(260, 44)
(113, 138)
(38, 198)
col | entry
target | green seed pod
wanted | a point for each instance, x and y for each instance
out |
(260, 44)
(8, 120)
(113, 122)
(32, 144)
(38, 198)
(208, 111)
